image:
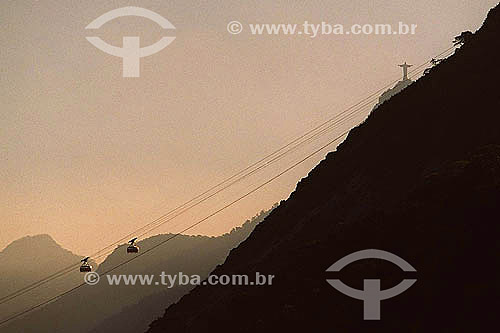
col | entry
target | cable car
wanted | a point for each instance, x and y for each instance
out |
(85, 267)
(132, 248)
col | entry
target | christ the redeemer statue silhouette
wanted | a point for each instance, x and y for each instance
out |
(405, 67)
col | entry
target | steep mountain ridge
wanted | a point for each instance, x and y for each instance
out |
(373, 193)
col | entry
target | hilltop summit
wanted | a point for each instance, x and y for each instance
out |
(393, 91)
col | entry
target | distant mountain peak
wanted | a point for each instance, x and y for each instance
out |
(35, 249)
(42, 239)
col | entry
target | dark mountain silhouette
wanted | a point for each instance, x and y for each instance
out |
(136, 317)
(28, 260)
(84, 309)
(421, 179)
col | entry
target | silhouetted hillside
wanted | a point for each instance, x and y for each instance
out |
(421, 179)
(28, 260)
(136, 317)
(85, 308)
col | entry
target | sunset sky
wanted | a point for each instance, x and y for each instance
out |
(88, 156)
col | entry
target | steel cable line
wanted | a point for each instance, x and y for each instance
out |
(179, 233)
(182, 231)
(57, 274)
(96, 255)
(69, 268)
(63, 271)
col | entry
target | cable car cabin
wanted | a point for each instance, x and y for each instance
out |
(132, 249)
(85, 268)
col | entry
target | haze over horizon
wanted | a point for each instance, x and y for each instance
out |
(88, 156)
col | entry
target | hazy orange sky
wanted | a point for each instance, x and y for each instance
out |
(88, 156)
